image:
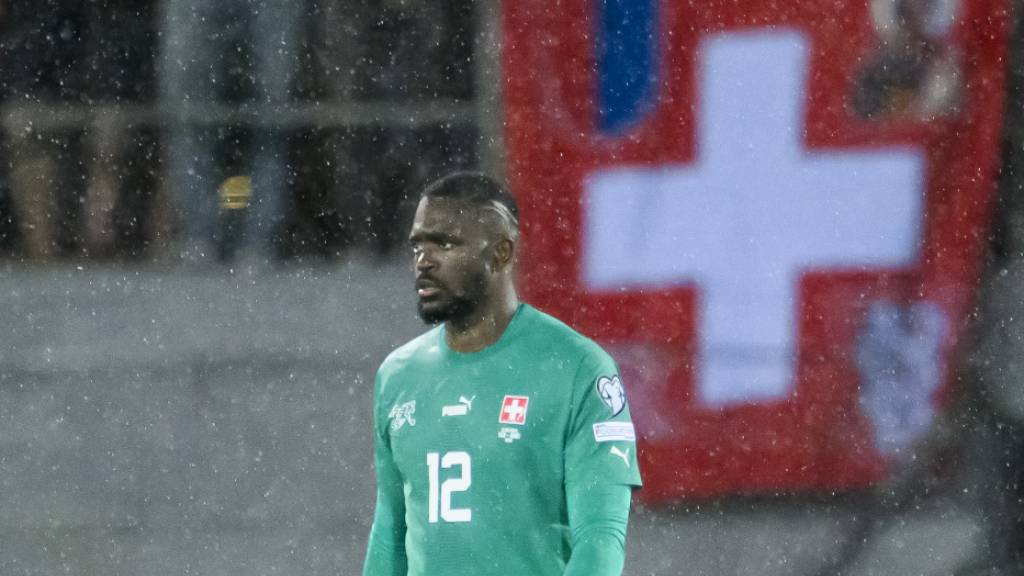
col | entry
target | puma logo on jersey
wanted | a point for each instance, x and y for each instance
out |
(460, 409)
(402, 414)
(624, 455)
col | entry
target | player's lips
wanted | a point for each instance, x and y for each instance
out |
(427, 288)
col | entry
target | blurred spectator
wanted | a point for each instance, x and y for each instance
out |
(67, 181)
(137, 177)
(217, 51)
(915, 73)
(352, 185)
(391, 50)
(232, 145)
(8, 225)
(322, 225)
(122, 55)
(44, 50)
(406, 160)
(333, 49)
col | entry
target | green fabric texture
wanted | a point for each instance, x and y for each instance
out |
(597, 519)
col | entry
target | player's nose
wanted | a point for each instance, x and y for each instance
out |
(425, 261)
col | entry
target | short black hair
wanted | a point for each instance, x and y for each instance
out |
(474, 187)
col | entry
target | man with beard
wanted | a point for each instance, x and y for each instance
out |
(503, 441)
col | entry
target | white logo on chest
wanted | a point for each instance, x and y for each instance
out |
(460, 409)
(402, 414)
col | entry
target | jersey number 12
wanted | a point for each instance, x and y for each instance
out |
(440, 493)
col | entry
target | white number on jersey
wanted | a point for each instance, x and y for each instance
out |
(443, 502)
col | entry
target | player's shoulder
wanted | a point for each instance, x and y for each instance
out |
(552, 332)
(420, 349)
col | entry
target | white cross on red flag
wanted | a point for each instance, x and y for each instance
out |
(762, 225)
(513, 410)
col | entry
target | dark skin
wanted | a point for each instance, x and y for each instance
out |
(464, 258)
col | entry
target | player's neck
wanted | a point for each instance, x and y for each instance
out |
(484, 326)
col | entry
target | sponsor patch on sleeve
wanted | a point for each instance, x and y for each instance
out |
(614, 432)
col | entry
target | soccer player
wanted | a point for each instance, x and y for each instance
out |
(503, 444)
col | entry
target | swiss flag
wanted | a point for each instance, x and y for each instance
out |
(780, 253)
(513, 410)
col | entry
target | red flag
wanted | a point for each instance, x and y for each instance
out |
(773, 214)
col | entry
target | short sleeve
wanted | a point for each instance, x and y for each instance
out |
(601, 441)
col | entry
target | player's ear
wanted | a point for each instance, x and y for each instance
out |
(504, 253)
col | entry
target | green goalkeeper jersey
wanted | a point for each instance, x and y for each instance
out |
(475, 452)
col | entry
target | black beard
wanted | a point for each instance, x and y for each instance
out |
(459, 307)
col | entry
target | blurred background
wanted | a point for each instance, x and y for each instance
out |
(203, 206)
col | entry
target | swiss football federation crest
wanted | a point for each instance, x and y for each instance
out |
(402, 414)
(611, 393)
(513, 410)
(509, 435)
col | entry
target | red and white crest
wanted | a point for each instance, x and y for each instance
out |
(513, 410)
